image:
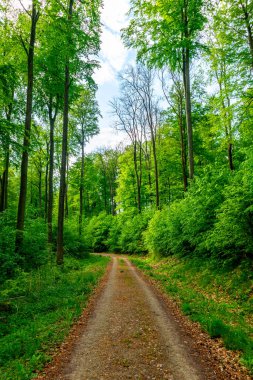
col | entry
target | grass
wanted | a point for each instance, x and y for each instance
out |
(219, 298)
(37, 310)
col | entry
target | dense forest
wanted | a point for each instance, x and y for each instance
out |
(179, 186)
(183, 183)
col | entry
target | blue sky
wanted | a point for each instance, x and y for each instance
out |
(113, 58)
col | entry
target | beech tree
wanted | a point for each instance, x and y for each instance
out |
(50, 87)
(137, 113)
(166, 33)
(128, 112)
(34, 16)
(85, 115)
(81, 25)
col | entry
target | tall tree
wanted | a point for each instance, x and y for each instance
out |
(64, 150)
(166, 33)
(82, 26)
(141, 82)
(85, 113)
(174, 96)
(50, 88)
(34, 16)
(9, 83)
(128, 112)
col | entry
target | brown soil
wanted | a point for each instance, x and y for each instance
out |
(132, 331)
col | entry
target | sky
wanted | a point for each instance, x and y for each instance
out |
(113, 58)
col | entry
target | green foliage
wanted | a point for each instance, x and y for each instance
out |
(126, 234)
(96, 232)
(38, 309)
(8, 260)
(74, 244)
(34, 250)
(231, 237)
(216, 297)
(156, 236)
(183, 227)
(158, 30)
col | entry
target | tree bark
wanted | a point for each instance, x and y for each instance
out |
(156, 169)
(183, 152)
(60, 252)
(40, 191)
(5, 181)
(227, 119)
(46, 186)
(52, 119)
(81, 190)
(59, 258)
(188, 112)
(138, 179)
(66, 213)
(26, 141)
(249, 31)
(230, 156)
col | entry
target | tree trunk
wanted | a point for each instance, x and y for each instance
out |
(187, 87)
(226, 120)
(105, 192)
(52, 119)
(182, 143)
(230, 156)
(249, 31)
(59, 258)
(66, 213)
(81, 191)
(26, 142)
(46, 186)
(138, 182)
(156, 169)
(5, 181)
(40, 191)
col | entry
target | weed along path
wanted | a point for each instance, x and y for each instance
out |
(132, 334)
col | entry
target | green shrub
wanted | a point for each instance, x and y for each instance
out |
(183, 227)
(74, 244)
(34, 250)
(232, 236)
(156, 236)
(126, 233)
(96, 232)
(131, 237)
(38, 309)
(8, 258)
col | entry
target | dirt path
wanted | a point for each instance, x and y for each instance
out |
(132, 334)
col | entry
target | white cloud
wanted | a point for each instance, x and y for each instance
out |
(113, 54)
(114, 13)
(113, 49)
(104, 74)
(107, 137)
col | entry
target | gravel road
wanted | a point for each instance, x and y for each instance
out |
(132, 334)
(131, 330)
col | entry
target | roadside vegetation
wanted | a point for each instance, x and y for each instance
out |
(38, 309)
(212, 294)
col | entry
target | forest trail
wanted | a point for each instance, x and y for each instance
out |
(132, 334)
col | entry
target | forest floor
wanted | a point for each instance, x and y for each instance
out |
(133, 331)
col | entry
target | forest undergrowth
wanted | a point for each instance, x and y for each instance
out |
(211, 293)
(37, 310)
